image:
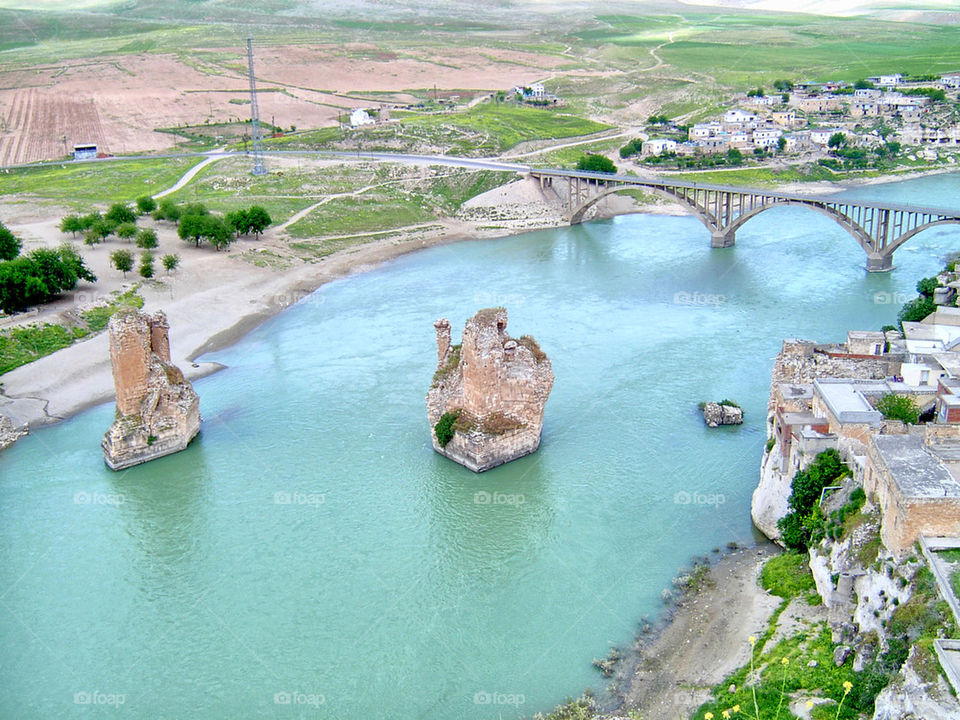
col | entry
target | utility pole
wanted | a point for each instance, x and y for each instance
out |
(258, 167)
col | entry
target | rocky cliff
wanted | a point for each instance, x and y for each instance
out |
(158, 412)
(488, 394)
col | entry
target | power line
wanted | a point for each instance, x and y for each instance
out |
(258, 167)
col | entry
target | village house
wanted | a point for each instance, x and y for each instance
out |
(785, 118)
(915, 489)
(658, 146)
(821, 136)
(739, 116)
(767, 137)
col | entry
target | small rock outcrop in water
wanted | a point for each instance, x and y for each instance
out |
(716, 414)
(158, 412)
(9, 433)
(487, 399)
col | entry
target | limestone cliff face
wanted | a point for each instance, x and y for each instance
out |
(158, 412)
(497, 386)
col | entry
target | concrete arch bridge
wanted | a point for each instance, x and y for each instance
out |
(879, 228)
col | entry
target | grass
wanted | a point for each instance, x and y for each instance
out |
(955, 582)
(396, 205)
(485, 129)
(22, 345)
(787, 575)
(100, 183)
(952, 556)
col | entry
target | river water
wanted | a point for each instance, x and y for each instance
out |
(310, 556)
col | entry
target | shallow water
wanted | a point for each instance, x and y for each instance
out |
(310, 547)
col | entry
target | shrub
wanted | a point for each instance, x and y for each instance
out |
(170, 262)
(120, 213)
(146, 264)
(804, 522)
(787, 575)
(926, 286)
(596, 163)
(444, 429)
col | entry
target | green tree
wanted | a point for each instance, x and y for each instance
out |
(804, 519)
(734, 156)
(147, 239)
(126, 230)
(40, 276)
(9, 244)
(863, 84)
(170, 262)
(897, 407)
(89, 220)
(122, 260)
(927, 286)
(595, 163)
(781, 143)
(258, 219)
(238, 221)
(146, 204)
(71, 224)
(837, 140)
(190, 227)
(120, 213)
(217, 232)
(915, 310)
(146, 264)
(167, 210)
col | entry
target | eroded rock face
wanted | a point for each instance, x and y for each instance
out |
(496, 386)
(158, 412)
(715, 414)
(9, 433)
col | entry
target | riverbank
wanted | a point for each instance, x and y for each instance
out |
(700, 640)
(215, 298)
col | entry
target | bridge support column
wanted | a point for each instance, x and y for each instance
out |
(723, 238)
(880, 263)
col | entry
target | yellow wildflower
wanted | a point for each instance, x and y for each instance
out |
(785, 661)
(809, 704)
(736, 708)
(752, 639)
(847, 686)
(725, 714)
(708, 716)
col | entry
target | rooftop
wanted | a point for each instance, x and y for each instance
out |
(846, 401)
(914, 468)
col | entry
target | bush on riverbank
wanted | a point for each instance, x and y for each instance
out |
(787, 575)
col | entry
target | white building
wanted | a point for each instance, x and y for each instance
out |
(767, 137)
(822, 136)
(538, 91)
(701, 131)
(658, 146)
(951, 81)
(360, 117)
(739, 116)
(889, 80)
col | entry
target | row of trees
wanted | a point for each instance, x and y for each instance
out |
(197, 224)
(123, 261)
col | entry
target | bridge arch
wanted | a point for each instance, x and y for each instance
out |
(858, 233)
(576, 216)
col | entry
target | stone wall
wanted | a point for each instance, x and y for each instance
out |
(158, 412)
(498, 385)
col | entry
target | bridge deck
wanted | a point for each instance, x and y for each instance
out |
(740, 190)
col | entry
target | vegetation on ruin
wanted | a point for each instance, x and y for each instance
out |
(444, 429)
(804, 517)
(899, 407)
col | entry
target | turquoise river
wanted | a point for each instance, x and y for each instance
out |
(310, 556)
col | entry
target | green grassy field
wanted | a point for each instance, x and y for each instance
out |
(95, 182)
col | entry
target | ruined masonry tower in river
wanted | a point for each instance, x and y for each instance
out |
(158, 412)
(491, 392)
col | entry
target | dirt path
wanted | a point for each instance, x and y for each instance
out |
(189, 175)
(653, 54)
